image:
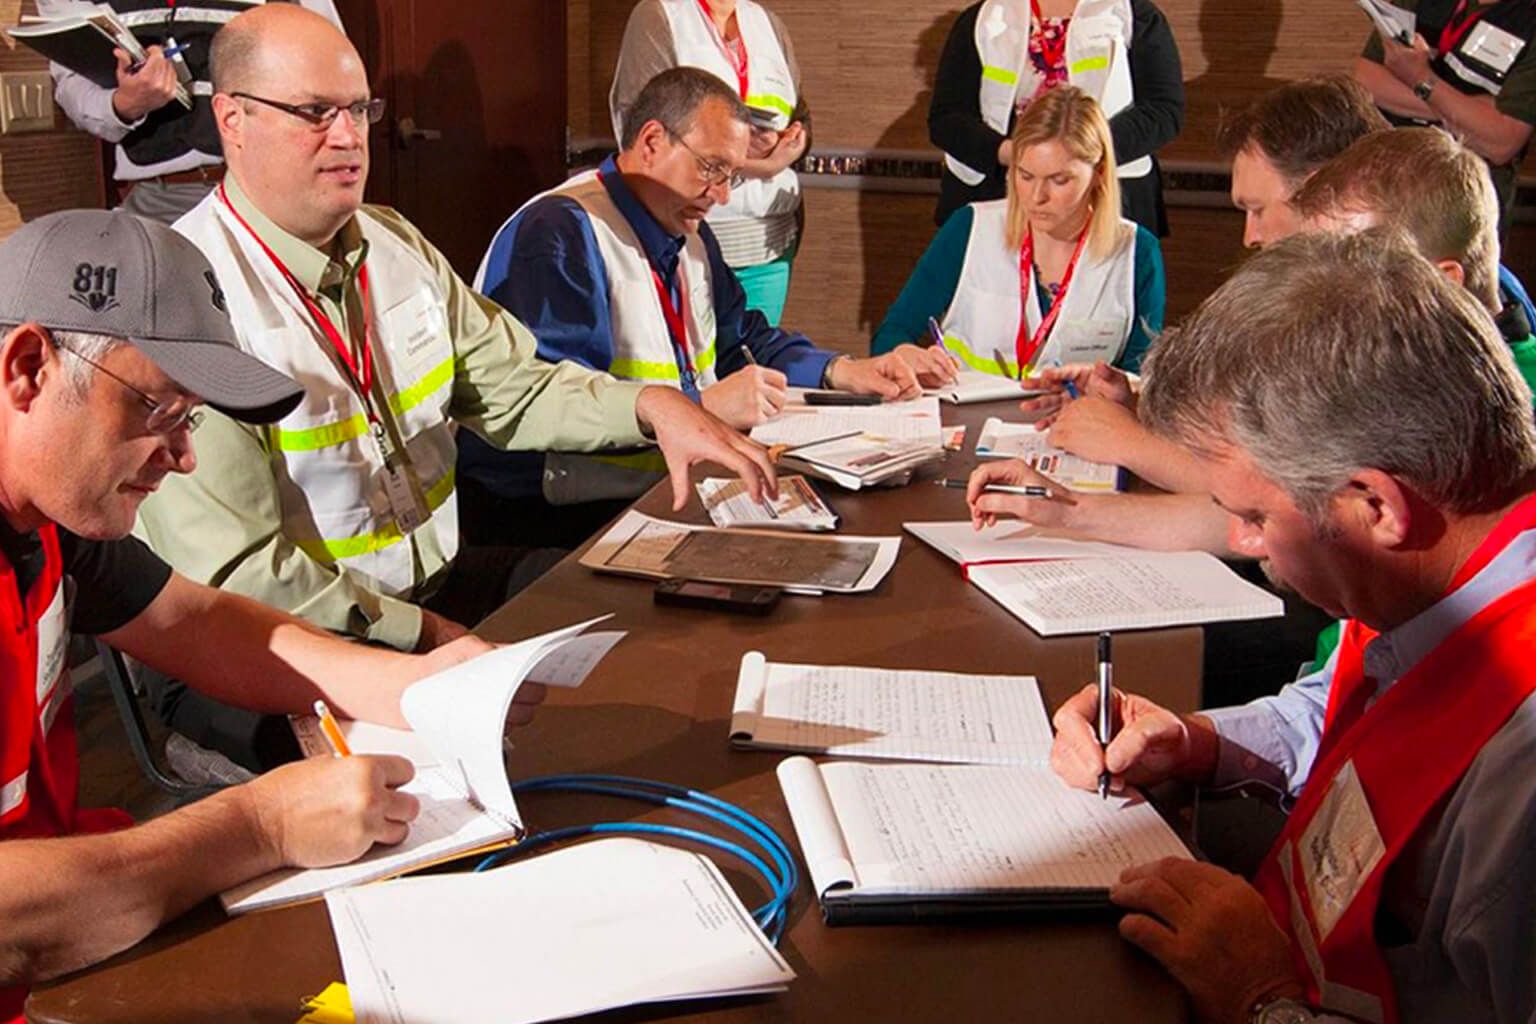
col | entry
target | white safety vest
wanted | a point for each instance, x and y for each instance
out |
(642, 345)
(982, 322)
(770, 89)
(331, 482)
(1098, 62)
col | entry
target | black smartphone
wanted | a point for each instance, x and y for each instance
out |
(840, 398)
(746, 598)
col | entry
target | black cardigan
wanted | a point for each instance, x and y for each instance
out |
(1157, 76)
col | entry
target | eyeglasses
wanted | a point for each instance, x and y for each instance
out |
(320, 116)
(165, 416)
(710, 172)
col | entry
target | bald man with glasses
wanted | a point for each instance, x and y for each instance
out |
(345, 511)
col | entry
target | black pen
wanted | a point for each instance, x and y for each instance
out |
(1028, 491)
(1106, 693)
(748, 356)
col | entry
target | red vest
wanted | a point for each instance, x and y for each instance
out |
(1378, 773)
(39, 768)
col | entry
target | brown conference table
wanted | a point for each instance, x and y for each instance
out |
(658, 707)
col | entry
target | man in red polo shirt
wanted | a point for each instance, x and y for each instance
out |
(1364, 424)
(114, 331)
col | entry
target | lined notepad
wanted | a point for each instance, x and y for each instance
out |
(1145, 591)
(889, 713)
(886, 840)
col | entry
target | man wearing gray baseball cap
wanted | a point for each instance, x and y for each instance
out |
(113, 334)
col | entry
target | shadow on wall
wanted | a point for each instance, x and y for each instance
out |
(1238, 38)
(886, 271)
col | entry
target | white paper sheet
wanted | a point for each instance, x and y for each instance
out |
(1009, 540)
(608, 923)
(914, 420)
(1003, 440)
(890, 713)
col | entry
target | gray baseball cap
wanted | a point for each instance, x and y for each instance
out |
(115, 274)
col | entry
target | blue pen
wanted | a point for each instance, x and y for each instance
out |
(935, 332)
(1070, 387)
(173, 51)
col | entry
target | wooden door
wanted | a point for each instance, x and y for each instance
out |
(476, 111)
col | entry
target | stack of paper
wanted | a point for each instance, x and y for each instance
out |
(459, 716)
(609, 923)
(889, 713)
(639, 545)
(1390, 20)
(798, 506)
(1001, 440)
(1061, 586)
(913, 841)
(857, 446)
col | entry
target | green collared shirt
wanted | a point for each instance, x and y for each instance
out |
(222, 524)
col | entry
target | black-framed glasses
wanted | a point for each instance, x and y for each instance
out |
(166, 416)
(320, 116)
(710, 172)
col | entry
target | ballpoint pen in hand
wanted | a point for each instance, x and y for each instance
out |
(1106, 717)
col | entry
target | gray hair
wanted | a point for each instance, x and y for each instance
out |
(673, 97)
(1325, 355)
(94, 347)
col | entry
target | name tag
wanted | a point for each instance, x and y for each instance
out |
(1492, 46)
(1339, 850)
(417, 330)
(1087, 340)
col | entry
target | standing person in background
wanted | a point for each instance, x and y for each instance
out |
(745, 45)
(1469, 68)
(167, 156)
(1050, 274)
(1002, 54)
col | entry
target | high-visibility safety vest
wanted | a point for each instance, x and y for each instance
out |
(981, 325)
(643, 350)
(1098, 62)
(1380, 770)
(770, 90)
(39, 765)
(332, 482)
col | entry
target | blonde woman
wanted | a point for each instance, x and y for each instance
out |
(1050, 274)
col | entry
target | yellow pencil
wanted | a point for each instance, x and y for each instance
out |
(331, 730)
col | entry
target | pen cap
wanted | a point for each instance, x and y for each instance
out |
(1104, 647)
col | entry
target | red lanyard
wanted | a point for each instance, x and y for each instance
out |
(738, 56)
(1025, 347)
(1458, 26)
(362, 375)
(1054, 50)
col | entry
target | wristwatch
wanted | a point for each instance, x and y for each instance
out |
(1424, 88)
(1280, 1011)
(826, 371)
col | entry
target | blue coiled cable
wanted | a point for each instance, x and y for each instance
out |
(778, 869)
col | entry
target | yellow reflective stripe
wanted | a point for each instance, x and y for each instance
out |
(767, 102)
(330, 551)
(1088, 64)
(998, 74)
(640, 369)
(650, 462)
(414, 395)
(324, 436)
(330, 434)
(958, 347)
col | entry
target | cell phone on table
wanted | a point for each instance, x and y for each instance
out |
(746, 598)
(840, 398)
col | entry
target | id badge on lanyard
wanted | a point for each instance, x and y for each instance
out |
(407, 507)
(1026, 348)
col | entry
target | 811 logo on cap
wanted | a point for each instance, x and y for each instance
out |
(95, 287)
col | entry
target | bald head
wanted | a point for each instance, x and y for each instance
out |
(291, 102)
(251, 47)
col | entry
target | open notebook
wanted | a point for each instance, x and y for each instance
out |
(976, 386)
(889, 713)
(459, 716)
(1057, 585)
(902, 842)
(607, 923)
